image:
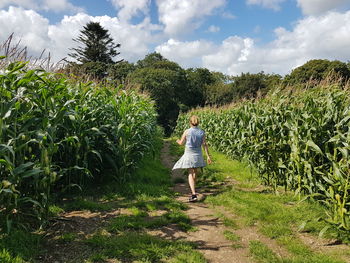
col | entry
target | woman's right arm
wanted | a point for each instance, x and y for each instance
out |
(183, 138)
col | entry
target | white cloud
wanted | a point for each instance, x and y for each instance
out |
(27, 25)
(46, 5)
(213, 29)
(37, 34)
(325, 37)
(272, 4)
(228, 57)
(128, 9)
(188, 54)
(181, 16)
(315, 7)
(134, 39)
(228, 15)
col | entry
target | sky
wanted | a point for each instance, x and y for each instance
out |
(229, 36)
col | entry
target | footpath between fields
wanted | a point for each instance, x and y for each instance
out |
(148, 219)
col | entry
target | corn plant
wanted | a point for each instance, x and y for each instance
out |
(300, 142)
(56, 134)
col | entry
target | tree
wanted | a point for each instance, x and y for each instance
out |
(318, 69)
(198, 80)
(119, 72)
(218, 94)
(150, 60)
(165, 82)
(96, 45)
(247, 86)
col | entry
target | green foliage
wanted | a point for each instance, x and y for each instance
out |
(318, 69)
(218, 94)
(55, 210)
(198, 80)
(55, 135)
(97, 70)
(118, 72)
(300, 142)
(150, 60)
(5, 257)
(97, 45)
(173, 88)
(247, 85)
(164, 81)
(225, 90)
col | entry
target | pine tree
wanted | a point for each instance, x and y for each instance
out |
(96, 45)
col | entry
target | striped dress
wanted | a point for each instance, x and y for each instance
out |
(193, 157)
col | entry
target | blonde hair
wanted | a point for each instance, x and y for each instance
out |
(194, 120)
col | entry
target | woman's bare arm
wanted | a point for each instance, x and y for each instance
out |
(205, 145)
(183, 138)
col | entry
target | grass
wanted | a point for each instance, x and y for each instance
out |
(142, 247)
(20, 246)
(85, 204)
(5, 257)
(67, 237)
(261, 253)
(143, 221)
(229, 235)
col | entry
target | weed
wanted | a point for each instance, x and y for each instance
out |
(133, 246)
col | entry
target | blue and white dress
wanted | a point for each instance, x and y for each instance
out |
(193, 157)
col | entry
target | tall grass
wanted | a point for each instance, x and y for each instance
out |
(12, 51)
(300, 141)
(56, 134)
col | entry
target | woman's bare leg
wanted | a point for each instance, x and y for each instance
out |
(192, 179)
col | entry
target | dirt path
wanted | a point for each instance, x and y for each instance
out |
(209, 235)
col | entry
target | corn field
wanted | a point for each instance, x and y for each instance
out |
(299, 141)
(56, 134)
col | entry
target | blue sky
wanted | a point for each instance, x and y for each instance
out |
(223, 35)
(249, 20)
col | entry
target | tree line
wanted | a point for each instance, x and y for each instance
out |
(175, 89)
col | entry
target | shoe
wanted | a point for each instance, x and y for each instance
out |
(193, 198)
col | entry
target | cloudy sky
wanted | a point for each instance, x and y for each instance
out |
(231, 36)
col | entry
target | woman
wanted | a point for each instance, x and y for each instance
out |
(193, 157)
